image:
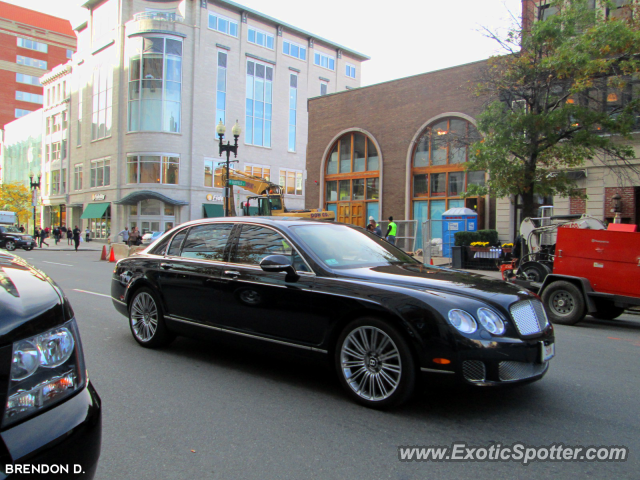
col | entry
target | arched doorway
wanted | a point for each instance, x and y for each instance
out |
(352, 179)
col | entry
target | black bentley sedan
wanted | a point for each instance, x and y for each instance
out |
(337, 290)
(51, 415)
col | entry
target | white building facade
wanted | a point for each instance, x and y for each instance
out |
(150, 82)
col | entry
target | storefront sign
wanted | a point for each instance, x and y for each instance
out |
(214, 198)
(98, 196)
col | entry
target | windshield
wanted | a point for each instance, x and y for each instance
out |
(12, 229)
(340, 246)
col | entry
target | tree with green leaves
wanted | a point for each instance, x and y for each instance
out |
(565, 95)
(15, 197)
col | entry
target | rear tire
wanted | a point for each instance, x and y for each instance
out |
(564, 303)
(606, 310)
(146, 320)
(374, 364)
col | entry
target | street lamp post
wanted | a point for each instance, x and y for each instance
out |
(34, 198)
(228, 148)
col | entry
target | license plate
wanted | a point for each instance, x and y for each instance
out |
(547, 351)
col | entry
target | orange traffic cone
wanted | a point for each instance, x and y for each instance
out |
(104, 253)
(112, 256)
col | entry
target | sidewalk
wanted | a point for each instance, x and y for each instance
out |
(63, 247)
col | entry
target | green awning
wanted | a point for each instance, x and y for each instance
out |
(212, 210)
(95, 210)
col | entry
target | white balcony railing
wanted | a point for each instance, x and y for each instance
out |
(162, 16)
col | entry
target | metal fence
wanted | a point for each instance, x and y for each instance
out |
(406, 234)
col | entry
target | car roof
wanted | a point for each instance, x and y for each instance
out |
(279, 221)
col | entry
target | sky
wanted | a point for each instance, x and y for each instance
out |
(403, 39)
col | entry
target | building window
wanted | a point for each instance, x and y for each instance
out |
(69, 53)
(77, 177)
(294, 50)
(261, 171)
(291, 182)
(102, 98)
(29, 97)
(438, 175)
(259, 37)
(221, 88)
(546, 11)
(293, 101)
(352, 179)
(153, 169)
(21, 113)
(155, 78)
(223, 24)
(258, 104)
(324, 61)
(79, 122)
(33, 45)
(31, 62)
(55, 182)
(350, 70)
(324, 86)
(101, 173)
(28, 79)
(55, 151)
(208, 173)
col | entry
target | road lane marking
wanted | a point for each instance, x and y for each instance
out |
(54, 263)
(92, 293)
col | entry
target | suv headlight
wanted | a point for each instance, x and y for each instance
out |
(462, 321)
(45, 369)
(491, 321)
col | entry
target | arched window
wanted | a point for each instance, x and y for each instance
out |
(438, 176)
(352, 179)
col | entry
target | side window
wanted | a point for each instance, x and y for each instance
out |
(257, 242)
(161, 247)
(174, 248)
(207, 242)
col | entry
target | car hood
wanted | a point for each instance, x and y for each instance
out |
(424, 277)
(18, 235)
(29, 300)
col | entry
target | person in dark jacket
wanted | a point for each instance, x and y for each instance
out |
(43, 236)
(76, 237)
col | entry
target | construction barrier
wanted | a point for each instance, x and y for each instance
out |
(118, 252)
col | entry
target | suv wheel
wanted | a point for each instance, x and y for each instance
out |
(10, 245)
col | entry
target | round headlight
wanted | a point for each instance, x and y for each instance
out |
(462, 321)
(25, 361)
(491, 321)
(55, 347)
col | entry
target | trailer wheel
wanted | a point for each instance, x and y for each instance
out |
(534, 271)
(606, 310)
(564, 303)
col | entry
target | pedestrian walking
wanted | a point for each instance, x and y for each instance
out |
(21, 229)
(76, 236)
(88, 235)
(392, 229)
(43, 237)
(133, 237)
(69, 236)
(125, 235)
(56, 234)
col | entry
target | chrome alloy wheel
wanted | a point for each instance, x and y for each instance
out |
(144, 317)
(371, 363)
(562, 303)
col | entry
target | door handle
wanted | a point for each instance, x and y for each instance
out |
(232, 273)
(166, 266)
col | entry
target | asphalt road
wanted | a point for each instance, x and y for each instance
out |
(224, 410)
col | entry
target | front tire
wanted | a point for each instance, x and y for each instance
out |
(374, 364)
(146, 320)
(10, 245)
(564, 303)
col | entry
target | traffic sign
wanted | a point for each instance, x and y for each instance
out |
(239, 183)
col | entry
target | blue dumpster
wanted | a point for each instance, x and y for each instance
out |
(456, 220)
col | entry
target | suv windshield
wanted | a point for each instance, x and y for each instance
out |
(341, 246)
(10, 229)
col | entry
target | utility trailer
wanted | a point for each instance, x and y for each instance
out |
(594, 272)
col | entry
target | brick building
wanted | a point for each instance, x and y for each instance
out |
(31, 44)
(380, 150)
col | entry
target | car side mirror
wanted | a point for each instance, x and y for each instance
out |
(279, 263)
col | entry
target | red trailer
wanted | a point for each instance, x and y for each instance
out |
(594, 272)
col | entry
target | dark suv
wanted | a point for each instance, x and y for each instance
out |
(11, 238)
(50, 414)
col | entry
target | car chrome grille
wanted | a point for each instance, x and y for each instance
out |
(509, 371)
(529, 316)
(474, 370)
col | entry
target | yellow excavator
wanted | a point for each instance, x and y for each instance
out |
(268, 198)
